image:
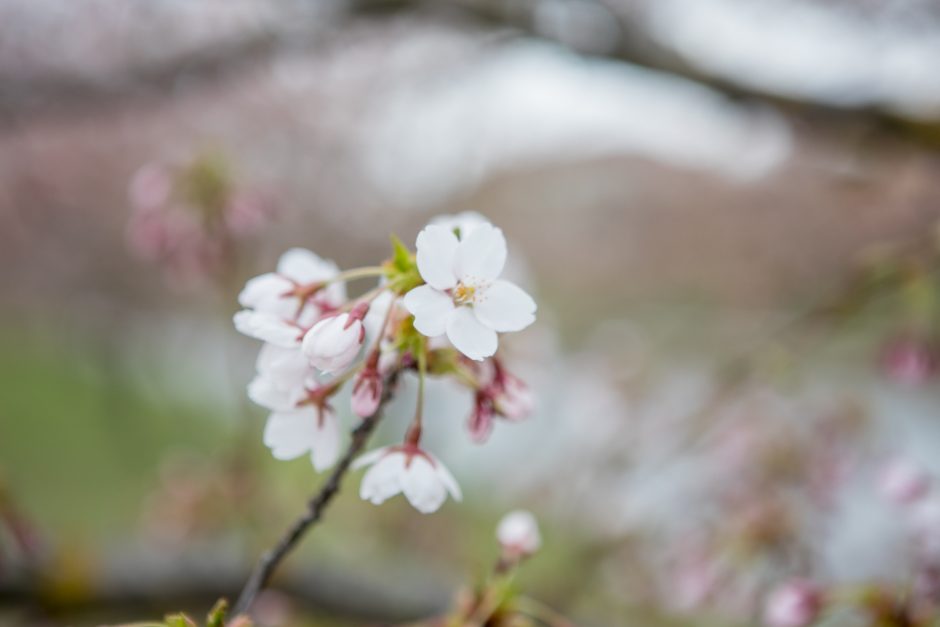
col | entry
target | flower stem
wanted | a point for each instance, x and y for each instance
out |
(272, 558)
(358, 273)
(413, 435)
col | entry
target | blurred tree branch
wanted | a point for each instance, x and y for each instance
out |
(200, 579)
(306, 23)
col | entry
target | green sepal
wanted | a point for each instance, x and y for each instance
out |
(401, 270)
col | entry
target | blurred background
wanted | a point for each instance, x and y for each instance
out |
(727, 211)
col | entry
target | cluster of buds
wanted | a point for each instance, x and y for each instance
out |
(438, 311)
(186, 218)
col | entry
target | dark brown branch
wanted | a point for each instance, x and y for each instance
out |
(270, 560)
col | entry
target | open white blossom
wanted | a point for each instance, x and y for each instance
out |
(463, 296)
(313, 429)
(292, 290)
(409, 470)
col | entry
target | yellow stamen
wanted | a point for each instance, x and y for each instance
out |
(463, 294)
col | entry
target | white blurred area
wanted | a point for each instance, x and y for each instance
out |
(529, 104)
(844, 52)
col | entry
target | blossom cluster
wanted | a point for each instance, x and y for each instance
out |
(438, 312)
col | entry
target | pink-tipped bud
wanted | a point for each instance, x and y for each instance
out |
(515, 400)
(903, 481)
(518, 534)
(796, 603)
(367, 392)
(333, 343)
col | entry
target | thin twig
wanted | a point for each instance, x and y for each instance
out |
(270, 560)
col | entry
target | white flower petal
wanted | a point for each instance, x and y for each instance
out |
(285, 363)
(290, 434)
(263, 292)
(447, 480)
(383, 480)
(267, 327)
(326, 442)
(369, 458)
(422, 487)
(376, 316)
(430, 308)
(469, 336)
(271, 393)
(304, 266)
(482, 254)
(465, 222)
(437, 247)
(505, 307)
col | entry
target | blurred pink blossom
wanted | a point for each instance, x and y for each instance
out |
(796, 603)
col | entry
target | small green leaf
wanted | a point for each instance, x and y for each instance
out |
(401, 270)
(402, 258)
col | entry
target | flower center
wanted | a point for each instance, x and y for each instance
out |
(464, 294)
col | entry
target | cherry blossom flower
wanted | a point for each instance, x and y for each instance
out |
(334, 342)
(463, 296)
(296, 290)
(310, 428)
(409, 470)
(518, 534)
(797, 603)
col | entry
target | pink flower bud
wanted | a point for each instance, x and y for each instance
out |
(796, 603)
(480, 423)
(518, 534)
(903, 482)
(333, 343)
(515, 400)
(367, 392)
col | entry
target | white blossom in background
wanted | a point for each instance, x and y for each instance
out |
(463, 297)
(407, 470)
(518, 534)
